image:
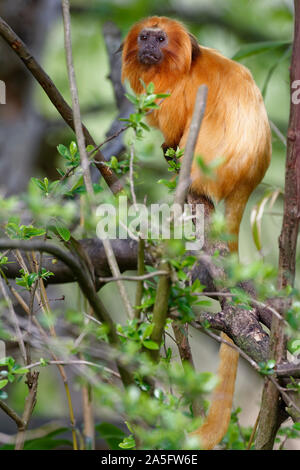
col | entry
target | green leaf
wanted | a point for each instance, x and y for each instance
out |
(267, 368)
(90, 148)
(114, 162)
(63, 151)
(38, 183)
(21, 370)
(150, 88)
(149, 344)
(20, 281)
(30, 231)
(31, 278)
(111, 434)
(148, 331)
(73, 148)
(128, 443)
(63, 232)
(7, 361)
(197, 286)
(3, 382)
(258, 48)
(144, 84)
(133, 99)
(294, 346)
(46, 444)
(144, 126)
(163, 95)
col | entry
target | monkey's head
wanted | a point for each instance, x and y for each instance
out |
(157, 46)
(151, 43)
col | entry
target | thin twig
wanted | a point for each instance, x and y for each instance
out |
(134, 278)
(185, 169)
(33, 433)
(88, 417)
(15, 322)
(141, 271)
(131, 175)
(80, 362)
(160, 310)
(278, 132)
(108, 139)
(253, 432)
(75, 101)
(30, 401)
(111, 259)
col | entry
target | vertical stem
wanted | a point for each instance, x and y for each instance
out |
(30, 401)
(75, 101)
(160, 311)
(185, 170)
(111, 259)
(88, 418)
(269, 416)
(15, 322)
(181, 332)
(141, 271)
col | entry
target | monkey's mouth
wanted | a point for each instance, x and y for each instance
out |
(149, 58)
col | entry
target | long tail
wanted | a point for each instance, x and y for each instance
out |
(217, 420)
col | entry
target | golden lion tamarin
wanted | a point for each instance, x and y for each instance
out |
(235, 127)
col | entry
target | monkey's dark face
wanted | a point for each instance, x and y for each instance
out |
(150, 43)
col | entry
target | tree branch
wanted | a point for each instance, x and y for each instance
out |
(243, 326)
(12, 414)
(56, 98)
(268, 421)
(85, 283)
(185, 169)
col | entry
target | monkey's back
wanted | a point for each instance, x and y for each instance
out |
(235, 126)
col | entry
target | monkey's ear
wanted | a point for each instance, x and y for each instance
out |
(120, 49)
(196, 51)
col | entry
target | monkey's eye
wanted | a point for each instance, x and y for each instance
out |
(143, 37)
(160, 38)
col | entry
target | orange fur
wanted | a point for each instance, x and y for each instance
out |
(235, 127)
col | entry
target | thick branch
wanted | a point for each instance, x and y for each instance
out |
(125, 252)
